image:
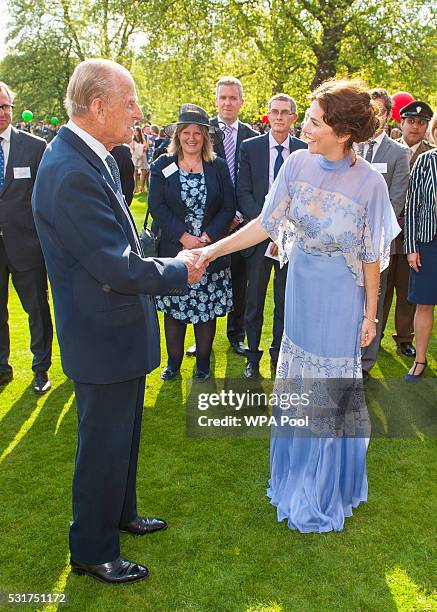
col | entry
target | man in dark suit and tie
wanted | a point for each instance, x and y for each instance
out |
(105, 316)
(259, 163)
(229, 100)
(391, 159)
(20, 252)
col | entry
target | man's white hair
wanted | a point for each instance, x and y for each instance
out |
(91, 79)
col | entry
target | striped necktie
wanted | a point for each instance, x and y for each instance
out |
(114, 171)
(2, 164)
(229, 147)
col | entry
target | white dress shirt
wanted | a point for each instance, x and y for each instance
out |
(274, 154)
(6, 145)
(94, 144)
(376, 146)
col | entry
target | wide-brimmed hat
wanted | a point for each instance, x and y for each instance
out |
(191, 113)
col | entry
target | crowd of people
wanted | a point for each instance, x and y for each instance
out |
(325, 211)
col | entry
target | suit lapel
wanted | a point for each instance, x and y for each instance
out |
(383, 151)
(13, 158)
(420, 149)
(265, 161)
(209, 182)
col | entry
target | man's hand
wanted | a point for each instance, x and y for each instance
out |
(190, 242)
(189, 259)
(414, 261)
(234, 223)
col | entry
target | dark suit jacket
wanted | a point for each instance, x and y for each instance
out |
(244, 132)
(253, 173)
(168, 210)
(422, 148)
(107, 324)
(123, 157)
(16, 221)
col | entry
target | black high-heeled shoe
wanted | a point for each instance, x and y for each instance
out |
(168, 373)
(413, 378)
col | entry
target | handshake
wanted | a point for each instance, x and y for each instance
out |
(194, 263)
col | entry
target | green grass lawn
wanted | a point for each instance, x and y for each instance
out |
(224, 549)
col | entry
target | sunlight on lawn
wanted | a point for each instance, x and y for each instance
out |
(406, 594)
(68, 404)
(59, 585)
(23, 429)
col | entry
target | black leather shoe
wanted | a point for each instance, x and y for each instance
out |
(143, 525)
(251, 371)
(119, 571)
(6, 376)
(41, 383)
(239, 348)
(201, 376)
(407, 349)
(168, 374)
(366, 376)
(191, 352)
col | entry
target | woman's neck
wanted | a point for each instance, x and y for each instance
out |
(191, 162)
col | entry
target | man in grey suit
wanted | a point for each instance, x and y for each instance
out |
(20, 252)
(392, 160)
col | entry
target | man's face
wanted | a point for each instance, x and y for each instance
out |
(281, 117)
(413, 130)
(229, 102)
(5, 114)
(121, 112)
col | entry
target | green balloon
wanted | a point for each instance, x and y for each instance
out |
(54, 121)
(27, 116)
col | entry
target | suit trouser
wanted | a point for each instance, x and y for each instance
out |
(31, 287)
(259, 269)
(369, 354)
(104, 481)
(399, 272)
(235, 321)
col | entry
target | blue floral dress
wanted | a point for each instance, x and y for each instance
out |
(327, 218)
(212, 296)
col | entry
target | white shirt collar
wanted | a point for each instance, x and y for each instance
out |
(273, 143)
(94, 144)
(6, 135)
(414, 148)
(378, 139)
(234, 125)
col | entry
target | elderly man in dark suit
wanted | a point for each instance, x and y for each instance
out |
(259, 163)
(392, 161)
(20, 252)
(105, 316)
(415, 119)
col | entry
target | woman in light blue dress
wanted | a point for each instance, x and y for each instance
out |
(331, 216)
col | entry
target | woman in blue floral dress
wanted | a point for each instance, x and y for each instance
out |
(192, 202)
(331, 216)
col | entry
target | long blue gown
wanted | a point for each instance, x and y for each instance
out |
(328, 218)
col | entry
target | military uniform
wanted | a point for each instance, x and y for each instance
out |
(399, 270)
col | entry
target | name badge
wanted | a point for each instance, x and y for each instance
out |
(169, 170)
(382, 168)
(20, 173)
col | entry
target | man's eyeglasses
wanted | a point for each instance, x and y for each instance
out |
(6, 108)
(276, 113)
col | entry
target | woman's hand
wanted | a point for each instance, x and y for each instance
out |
(205, 255)
(414, 261)
(190, 242)
(368, 332)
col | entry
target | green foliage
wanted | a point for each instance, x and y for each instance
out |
(178, 49)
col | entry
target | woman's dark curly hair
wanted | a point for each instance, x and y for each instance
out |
(348, 108)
